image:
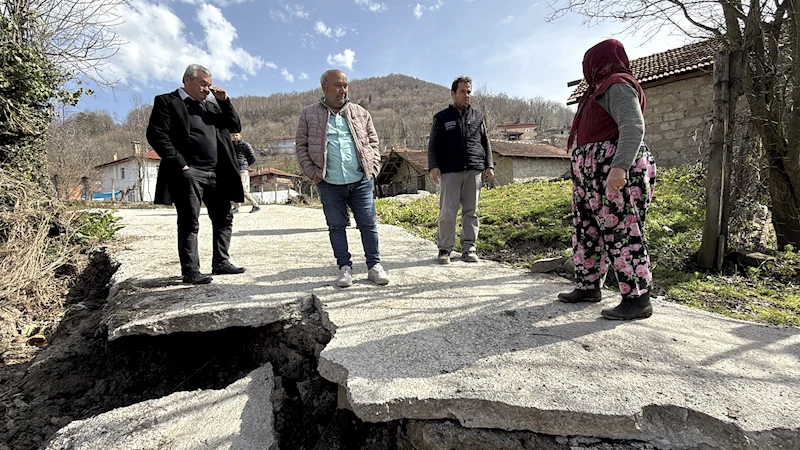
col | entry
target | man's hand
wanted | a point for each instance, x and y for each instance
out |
(616, 179)
(316, 179)
(436, 175)
(488, 174)
(219, 93)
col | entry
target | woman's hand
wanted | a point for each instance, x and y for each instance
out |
(617, 179)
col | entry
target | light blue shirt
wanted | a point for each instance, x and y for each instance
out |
(342, 166)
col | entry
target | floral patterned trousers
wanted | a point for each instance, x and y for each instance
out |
(609, 226)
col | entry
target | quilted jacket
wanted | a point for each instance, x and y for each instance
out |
(311, 140)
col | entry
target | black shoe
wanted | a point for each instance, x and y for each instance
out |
(227, 268)
(580, 295)
(255, 209)
(197, 278)
(630, 308)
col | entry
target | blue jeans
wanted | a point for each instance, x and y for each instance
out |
(358, 196)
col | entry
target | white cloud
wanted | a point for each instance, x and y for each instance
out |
(271, 65)
(287, 76)
(344, 59)
(302, 76)
(507, 20)
(159, 48)
(288, 13)
(419, 9)
(327, 31)
(321, 28)
(371, 5)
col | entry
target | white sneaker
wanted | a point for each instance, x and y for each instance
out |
(378, 274)
(345, 276)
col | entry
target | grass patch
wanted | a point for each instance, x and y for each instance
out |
(523, 222)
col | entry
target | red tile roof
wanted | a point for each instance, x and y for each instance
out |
(272, 171)
(417, 158)
(522, 149)
(147, 155)
(518, 125)
(690, 58)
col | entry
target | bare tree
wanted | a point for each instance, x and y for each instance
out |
(76, 35)
(760, 47)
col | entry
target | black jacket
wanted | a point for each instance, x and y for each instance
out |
(459, 142)
(168, 134)
(245, 156)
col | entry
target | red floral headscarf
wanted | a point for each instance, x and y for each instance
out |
(603, 65)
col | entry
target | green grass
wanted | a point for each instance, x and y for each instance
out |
(524, 222)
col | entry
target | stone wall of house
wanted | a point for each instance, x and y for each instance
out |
(678, 121)
(508, 170)
(406, 180)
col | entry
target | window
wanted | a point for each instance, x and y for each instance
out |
(121, 173)
(527, 130)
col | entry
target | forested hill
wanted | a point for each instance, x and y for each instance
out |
(402, 108)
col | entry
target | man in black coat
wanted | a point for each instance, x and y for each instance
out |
(198, 164)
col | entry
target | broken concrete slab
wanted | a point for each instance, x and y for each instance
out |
(489, 346)
(547, 265)
(238, 417)
(147, 296)
(492, 349)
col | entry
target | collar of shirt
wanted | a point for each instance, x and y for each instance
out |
(184, 95)
(322, 100)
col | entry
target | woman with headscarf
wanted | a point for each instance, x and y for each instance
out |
(613, 175)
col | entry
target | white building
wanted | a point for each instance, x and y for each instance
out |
(280, 145)
(130, 179)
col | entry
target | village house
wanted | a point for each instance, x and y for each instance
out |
(678, 85)
(405, 171)
(521, 161)
(130, 179)
(517, 131)
(280, 145)
(275, 186)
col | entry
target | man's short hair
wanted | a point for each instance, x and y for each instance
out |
(193, 69)
(461, 79)
(323, 79)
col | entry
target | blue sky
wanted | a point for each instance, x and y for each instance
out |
(262, 47)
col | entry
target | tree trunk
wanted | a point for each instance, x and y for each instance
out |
(712, 247)
(784, 190)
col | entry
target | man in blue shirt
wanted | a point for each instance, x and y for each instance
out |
(337, 147)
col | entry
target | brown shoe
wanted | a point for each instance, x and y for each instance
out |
(581, 295)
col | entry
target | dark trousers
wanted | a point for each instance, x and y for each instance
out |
(188, 191)
(335, 199)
